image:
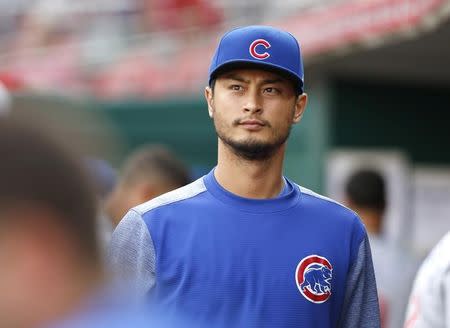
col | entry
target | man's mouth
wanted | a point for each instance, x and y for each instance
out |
(252, 124)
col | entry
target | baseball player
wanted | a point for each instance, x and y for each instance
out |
(429, 303)
(245, 246)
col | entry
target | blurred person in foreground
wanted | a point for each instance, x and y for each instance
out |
(394, 267)
(148, 172)
(429, 302)
(244, 246)
(50, 269)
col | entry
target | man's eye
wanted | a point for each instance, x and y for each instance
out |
(236, 87)
(270, 90)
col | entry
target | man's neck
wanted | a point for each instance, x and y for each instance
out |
(372, 220)
(250, 179)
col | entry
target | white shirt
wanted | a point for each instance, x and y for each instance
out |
(429, 303)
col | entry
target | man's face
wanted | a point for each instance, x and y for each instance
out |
(253, 111)
(29, 266)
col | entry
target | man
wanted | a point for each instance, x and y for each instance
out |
(243, 246)
(366, 195)
(50, 268)
(429, 303)
(150, 171)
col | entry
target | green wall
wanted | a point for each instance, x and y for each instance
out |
(182, 124)
(374, 115)
(309, 140)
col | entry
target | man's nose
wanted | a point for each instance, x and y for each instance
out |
(253, 102)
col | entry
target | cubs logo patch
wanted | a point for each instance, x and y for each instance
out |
(313, 277)
(257, 46)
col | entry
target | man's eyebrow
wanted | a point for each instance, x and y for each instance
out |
(239, 78)
(271, 81)
(235, 78)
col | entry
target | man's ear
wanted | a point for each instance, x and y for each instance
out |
(210, 100)
(145, 192)
(300, 107)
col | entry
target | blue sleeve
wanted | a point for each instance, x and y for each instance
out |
(360, 308)
(131, 255)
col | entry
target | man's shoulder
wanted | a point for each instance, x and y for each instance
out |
(327, 204)
(183, 194)
(331, 213)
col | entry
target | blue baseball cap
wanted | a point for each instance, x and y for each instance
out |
(258, 46)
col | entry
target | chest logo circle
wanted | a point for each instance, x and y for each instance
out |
(313, 277)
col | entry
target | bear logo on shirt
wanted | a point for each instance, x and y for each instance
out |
(313, 277)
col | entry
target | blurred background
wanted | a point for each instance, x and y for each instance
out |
(110, 75)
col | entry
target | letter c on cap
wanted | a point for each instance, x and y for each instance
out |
(257, 55)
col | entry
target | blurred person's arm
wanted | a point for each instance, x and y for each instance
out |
(429, 303)
(131, 254)
(360, 308)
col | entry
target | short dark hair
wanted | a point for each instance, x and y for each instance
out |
(36, 170)
(366, 188)
(155, 160)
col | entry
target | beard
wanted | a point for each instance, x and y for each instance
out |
(252, 149)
